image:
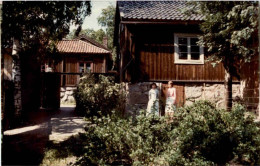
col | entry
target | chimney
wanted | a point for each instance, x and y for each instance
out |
(105, 41)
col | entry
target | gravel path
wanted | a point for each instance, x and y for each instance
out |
(25, 146)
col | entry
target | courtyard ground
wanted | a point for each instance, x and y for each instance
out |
(28, 145)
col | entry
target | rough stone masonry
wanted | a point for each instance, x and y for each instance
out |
(137, 94)
(16, 77)
(66, 94)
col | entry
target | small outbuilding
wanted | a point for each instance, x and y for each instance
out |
(75, 57)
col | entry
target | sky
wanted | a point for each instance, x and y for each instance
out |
(96, 9)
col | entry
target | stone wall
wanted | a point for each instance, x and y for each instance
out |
(66, 94)
(137, 94)
(16, 77)
(211, 92)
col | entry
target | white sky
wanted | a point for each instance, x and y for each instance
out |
(96, 9)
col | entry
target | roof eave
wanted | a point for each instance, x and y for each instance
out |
(161, 21)
(86, 53)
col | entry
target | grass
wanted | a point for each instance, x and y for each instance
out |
(64, 153)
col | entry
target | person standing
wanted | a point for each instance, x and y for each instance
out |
(170, 100)
(153, 103)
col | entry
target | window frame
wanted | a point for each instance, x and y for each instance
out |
(84, 63)
(189, 60)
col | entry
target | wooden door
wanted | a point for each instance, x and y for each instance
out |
(180, 96)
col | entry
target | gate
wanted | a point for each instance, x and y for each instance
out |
(50, 90)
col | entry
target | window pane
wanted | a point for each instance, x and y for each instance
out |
(183, 55)
(193, 41)
(88, 66)
(195, 56)
(81, 67)
(195, 49)
(183, 49)
(183, 41)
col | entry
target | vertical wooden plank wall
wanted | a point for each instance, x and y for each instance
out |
(71, 67)
(157, 63)
(98, 66)
(125, 51)
(154, 56)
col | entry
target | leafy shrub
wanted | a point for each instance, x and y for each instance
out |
(115, 140)
(205, 135)
(199, 135)
(98, 96)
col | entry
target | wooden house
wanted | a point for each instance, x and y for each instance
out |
(77, 56)
(157, 42)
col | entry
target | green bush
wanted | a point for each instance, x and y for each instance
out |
(205, 135)
(98, 96)
(199, 135)
(116, 140)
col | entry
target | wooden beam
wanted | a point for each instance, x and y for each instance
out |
(192, 81)
(156, 22)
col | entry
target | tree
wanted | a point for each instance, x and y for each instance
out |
(37, 26)
(95, 35)
(229, 35)
(107, 20)
(40, 22)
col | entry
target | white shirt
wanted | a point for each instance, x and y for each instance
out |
(153, 94)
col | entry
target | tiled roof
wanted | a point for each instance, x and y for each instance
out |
(155, 10)
(81, 45)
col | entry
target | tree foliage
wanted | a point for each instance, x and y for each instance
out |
(40, 24)
(230, 29)
(107, 20)
(99, 96)
(229, 35)
(95, 35)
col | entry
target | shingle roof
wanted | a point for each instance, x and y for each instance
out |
(81, 45)
(155, 10)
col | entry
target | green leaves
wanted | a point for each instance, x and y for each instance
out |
(230, 29)
(36, 24)
(99, 96)
(199, 135)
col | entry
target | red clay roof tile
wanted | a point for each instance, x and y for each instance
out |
(80, 46)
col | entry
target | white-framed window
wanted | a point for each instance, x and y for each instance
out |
(186, 49)
(85, 67)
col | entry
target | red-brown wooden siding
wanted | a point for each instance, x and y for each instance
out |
(70, 64)
(157, 63)
(153, 54)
